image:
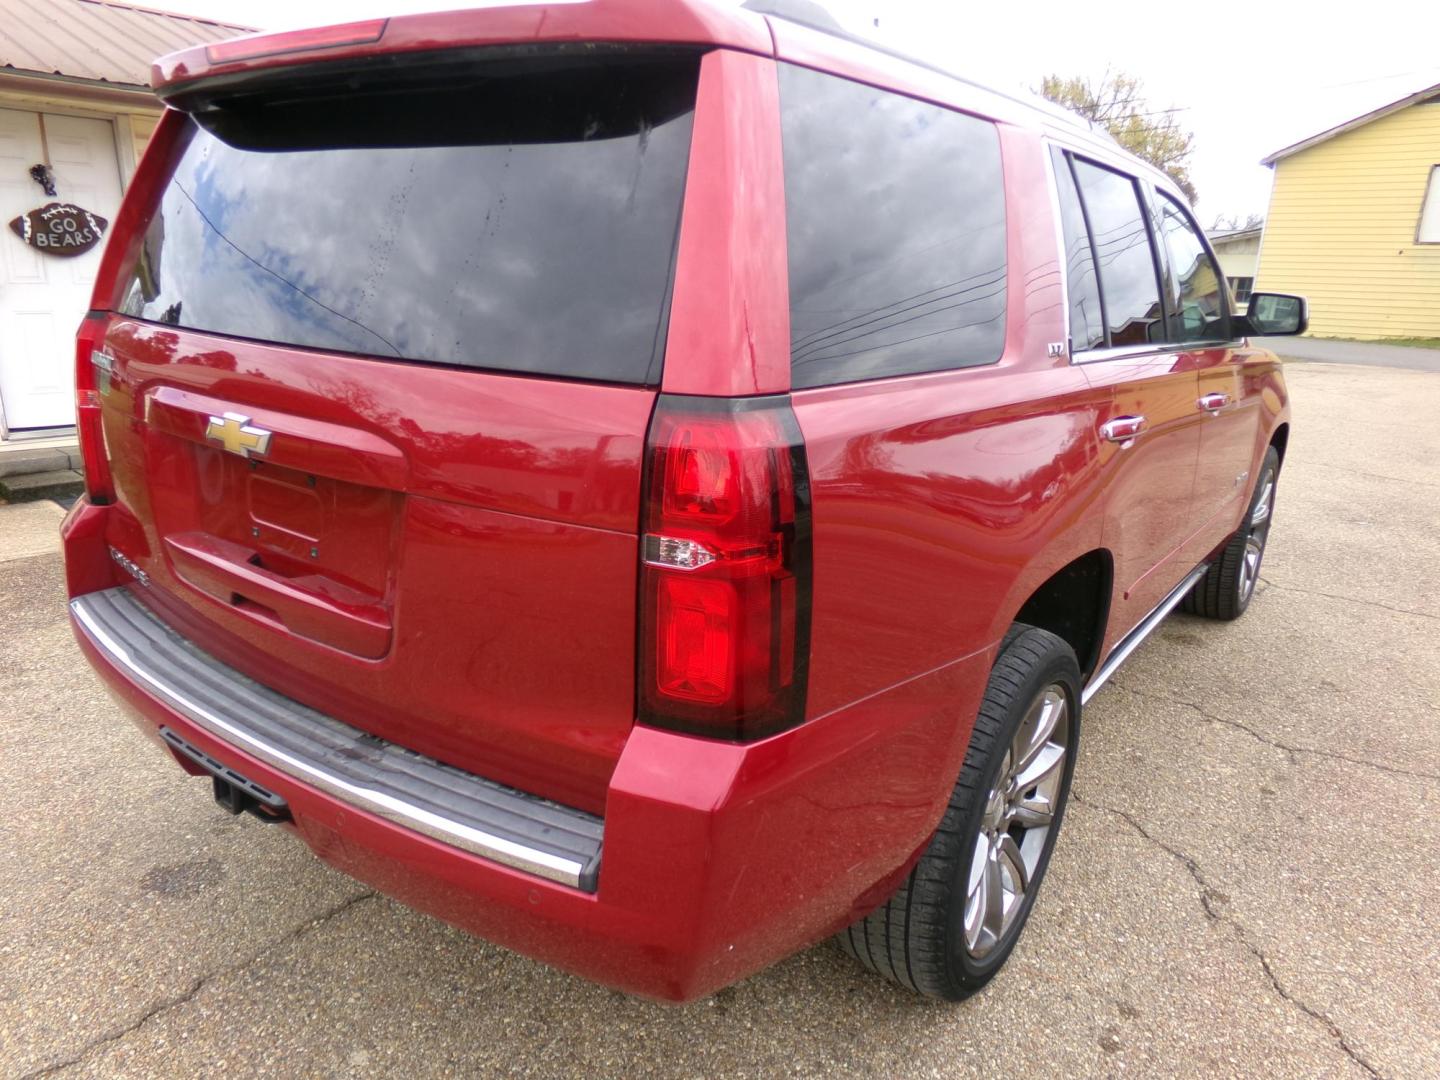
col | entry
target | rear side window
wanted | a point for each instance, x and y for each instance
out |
(1123, 255)
(512, 214)
(895, 215)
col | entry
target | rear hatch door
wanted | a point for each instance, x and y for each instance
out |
(380, 381)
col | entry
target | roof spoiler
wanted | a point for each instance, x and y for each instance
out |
(637, 22)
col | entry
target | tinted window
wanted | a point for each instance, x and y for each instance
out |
(519, 215)
(1196, 311)
(1087, 324)
(896, 223)
(1122, 251)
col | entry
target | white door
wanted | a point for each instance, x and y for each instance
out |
(43, 297)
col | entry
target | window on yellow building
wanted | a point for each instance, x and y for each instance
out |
(1429, 231)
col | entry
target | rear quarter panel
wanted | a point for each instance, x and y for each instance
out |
(942, 501)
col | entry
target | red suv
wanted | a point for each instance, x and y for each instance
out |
(653, 484)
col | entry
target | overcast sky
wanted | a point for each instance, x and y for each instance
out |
(1246, 78)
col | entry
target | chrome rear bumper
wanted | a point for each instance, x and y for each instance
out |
(447, 804)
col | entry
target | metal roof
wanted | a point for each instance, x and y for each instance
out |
(1221, 235)
(97, 41)
(1420, 97)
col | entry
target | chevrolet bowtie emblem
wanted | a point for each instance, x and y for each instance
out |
(235, 433)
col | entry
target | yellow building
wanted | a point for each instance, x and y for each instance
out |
(1354, 223)
(1239, 253)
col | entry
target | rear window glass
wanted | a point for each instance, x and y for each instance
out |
(896, 224)
(511, 214)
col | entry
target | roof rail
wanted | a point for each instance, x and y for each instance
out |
(815, 16)
(805, 12)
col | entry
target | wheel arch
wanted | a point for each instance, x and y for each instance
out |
(1073, 603)
(1279, 439)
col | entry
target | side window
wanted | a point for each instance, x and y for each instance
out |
(1197, 313)
(1428, 231)
(1125, 262)
(895, 214)
(1087, 318)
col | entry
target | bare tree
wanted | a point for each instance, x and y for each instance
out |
(1233, 222)
(1117, 102)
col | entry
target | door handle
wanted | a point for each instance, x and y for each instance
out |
(1214, 402)
(1123, 428)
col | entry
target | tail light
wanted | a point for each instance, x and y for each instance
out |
(725, 580)
(89, 341)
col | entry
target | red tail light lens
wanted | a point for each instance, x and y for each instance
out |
(89, 347)
(725, 580)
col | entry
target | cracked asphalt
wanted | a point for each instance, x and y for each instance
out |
(1248, 882)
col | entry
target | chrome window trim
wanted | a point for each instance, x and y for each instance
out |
(1140, 352)
(1048, 147)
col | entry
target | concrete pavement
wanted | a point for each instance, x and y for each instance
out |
(1367, 353)
(1248, 882)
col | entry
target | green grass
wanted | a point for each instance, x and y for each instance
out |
(1408, 342)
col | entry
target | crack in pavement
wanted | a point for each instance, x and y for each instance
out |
(1289, 750)
(194, 988)
(1208, 895)
(1375, 476)
(1350, 599)
(7, 562)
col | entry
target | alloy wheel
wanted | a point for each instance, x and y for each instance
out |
(1019, 814)
(1259, 531)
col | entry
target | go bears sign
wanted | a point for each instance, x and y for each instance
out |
(60, 229)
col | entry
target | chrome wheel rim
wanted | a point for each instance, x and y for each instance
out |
(1250, 564)
(1255, 540)
(1019, 814)
(1261, 514)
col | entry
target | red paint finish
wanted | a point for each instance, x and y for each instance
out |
(925, 544)
(89, 414)
(681, 22)
(1149, 481)
(127, 233)
(730, 317)
(1229, 439)
(300, 442)
(430, 554)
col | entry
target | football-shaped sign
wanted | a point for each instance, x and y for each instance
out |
(60, 229)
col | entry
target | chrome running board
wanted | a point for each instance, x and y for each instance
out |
(1147, 626)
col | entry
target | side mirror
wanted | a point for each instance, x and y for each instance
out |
(1277, 314)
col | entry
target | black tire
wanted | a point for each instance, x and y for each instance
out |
(918, 938)
(1227, 587)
